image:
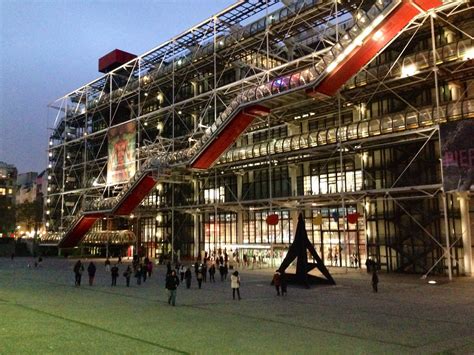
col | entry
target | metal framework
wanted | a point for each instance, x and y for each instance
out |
(372, 147)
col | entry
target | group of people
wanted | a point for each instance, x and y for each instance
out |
(140, 270)
(172, 281)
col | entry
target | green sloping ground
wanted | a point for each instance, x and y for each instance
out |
(42, 312)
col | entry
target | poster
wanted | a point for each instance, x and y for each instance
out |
(121, 160)
(457, 152)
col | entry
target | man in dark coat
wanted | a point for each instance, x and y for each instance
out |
(91, 269)
(114, 273)
(78, 269)
(172, 282)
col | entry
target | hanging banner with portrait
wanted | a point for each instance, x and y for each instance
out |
(121, 160)
(457, 152)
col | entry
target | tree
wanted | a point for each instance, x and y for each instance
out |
(30, 214)
(7, 216)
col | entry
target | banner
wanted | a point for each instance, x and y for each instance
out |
(121, 160)
(457, 152)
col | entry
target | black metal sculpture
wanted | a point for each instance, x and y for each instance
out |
(298, 249)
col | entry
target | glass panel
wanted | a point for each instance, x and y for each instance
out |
(398, 122)
(331, 135)
(313, 139)
(386, 124)
(412, 119)
(322, 137)
(425, 117)
(363, 129)
(374, 127)
(352, 131)
(279, 146)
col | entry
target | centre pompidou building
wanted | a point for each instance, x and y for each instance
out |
(357, 114)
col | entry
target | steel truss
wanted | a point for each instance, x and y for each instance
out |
(177, 90)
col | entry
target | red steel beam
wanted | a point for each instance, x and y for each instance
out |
(74, 236)
(135, 196)
(228, 135)
(381, 36)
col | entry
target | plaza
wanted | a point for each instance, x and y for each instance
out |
(43, 312)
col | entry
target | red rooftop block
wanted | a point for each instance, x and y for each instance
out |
(114, 59)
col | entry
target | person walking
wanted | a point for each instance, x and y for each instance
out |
(149, 268)
(199, 276)
(91, 269)
(107, 265)
(115, 273)
(226, 271)
(277, 282)
(235, 284)
(182, 271)
(283, 283)
(172, 283)
(78, 269)
(204, 271)
(221, 271)
(188, 275)
(375, 280)
(212, 273)
(144, 272)
(138, 275)
(127, 274)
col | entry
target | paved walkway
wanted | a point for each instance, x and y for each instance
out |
(42, 312)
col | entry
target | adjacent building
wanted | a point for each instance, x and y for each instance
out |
(8, 175)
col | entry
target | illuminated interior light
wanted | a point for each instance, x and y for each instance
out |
(432, 282)
(469, 54)
(180, 112)
(409, 70)
(378, 35)
(146, 94)
(50, 142)
(132, 216)
(50, 154)
(145, 124)
(50, 165)
(332, 66)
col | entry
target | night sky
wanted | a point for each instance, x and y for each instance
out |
(50, 48)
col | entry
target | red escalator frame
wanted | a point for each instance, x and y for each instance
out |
(75, 235)
(228, 135)
(135, 196)
(360, 56)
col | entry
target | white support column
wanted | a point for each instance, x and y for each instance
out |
(196, 234)
(293, 179)
(240, 214)
(463, 198)
(196, 219)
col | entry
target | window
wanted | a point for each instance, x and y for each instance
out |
(214, 195)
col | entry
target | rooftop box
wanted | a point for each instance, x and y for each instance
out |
(114, 59)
